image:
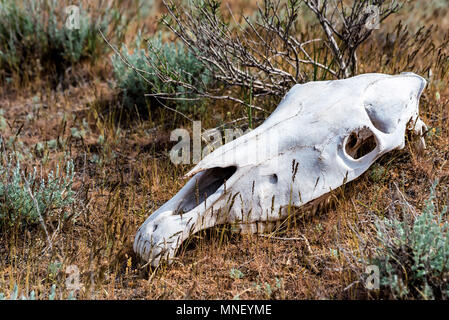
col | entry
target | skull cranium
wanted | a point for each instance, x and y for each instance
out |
(322, 135)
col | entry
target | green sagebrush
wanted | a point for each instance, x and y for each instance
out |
(172, 59)
(413, 256)
(52, 196)
(33, 37)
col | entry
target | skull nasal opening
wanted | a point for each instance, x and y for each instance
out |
(206, 184)
(359, 143)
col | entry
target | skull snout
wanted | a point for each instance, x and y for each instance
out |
(187, 213)
(153, 241)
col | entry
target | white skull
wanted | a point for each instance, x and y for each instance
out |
(322, 135)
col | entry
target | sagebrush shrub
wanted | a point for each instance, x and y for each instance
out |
(413, 256)
(52, 196)
(34, 39)
(172, 58)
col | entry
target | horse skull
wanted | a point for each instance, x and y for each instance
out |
(322, 135)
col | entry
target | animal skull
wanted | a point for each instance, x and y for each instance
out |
(322, 135)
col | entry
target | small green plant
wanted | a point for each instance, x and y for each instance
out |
(413, 256)
(236, 274)
(27, 199)
(377, 173)
(172, 59)
(268, 289)
(54, 268)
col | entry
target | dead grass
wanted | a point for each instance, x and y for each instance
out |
(124, 173)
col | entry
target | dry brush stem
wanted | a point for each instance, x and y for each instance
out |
(268, 54)
(347, 26)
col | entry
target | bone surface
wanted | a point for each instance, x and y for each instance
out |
(322, 135)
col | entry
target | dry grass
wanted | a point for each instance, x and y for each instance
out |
(123, 173)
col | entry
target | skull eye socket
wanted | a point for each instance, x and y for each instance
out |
(359, 143)
(205, 186)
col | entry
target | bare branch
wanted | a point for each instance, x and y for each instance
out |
(264, 54)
